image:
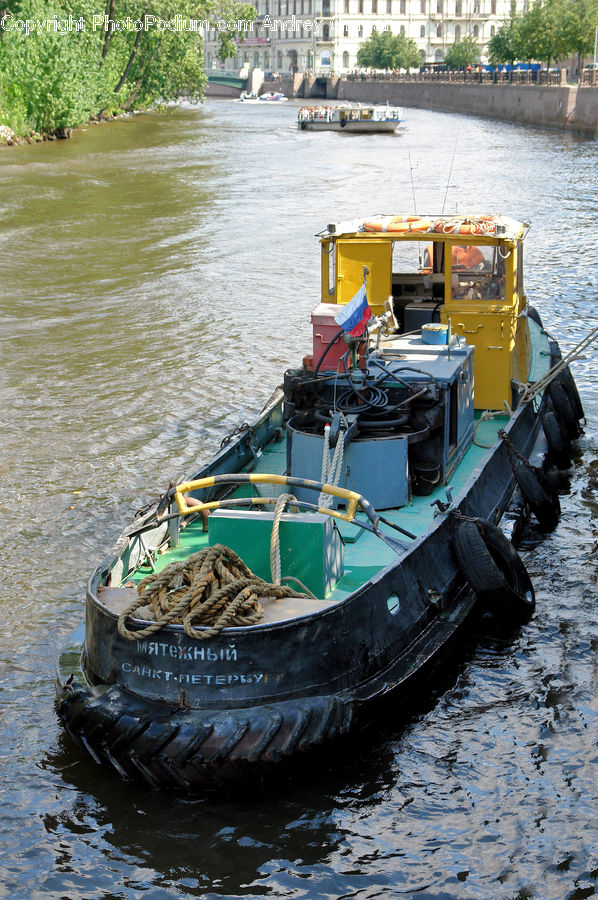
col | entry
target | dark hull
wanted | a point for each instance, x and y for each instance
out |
(174, 712)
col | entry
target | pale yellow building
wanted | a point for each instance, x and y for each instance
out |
(324, 36)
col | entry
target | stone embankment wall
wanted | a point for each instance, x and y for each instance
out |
(567, 107)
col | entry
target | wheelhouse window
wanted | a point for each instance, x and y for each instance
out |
(478, 273)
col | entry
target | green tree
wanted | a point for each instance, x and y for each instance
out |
(580, 25)
(542, 35)
(464, 52)
(385, 50)
(51, 80)
(505, 45)
(48, 80)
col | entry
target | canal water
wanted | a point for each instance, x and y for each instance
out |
(157, 276)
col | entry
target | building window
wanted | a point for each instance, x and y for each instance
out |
(457, 32)
(345, 31)
(345, 60)
(476, 7)
(439, 31)
(438, 6)
(374, 29)
(346, 7)
(402, 29)
(256, 59)
(492, 7)
(475, 30)
(458, 8)
(422, 31)
(492, 31)
(326, 33)
(422, 7)
(360, 31)
(361, 6)
(266, 60)
(389, 7)
(279, 59)
(403, 7)
(374, 6)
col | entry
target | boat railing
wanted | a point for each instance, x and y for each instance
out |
(552, 77)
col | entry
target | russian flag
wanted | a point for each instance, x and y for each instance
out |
(354, 316)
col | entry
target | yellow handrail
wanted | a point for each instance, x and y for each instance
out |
(353, 499)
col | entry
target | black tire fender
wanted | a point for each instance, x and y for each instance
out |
(532, 313)
(304, 125)
(539, 495)
(555, 352)
(563, 408)
(558, 444)
(568, 382)
(494, 570)
(343, 123)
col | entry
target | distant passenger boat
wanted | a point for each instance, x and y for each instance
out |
(350, 117)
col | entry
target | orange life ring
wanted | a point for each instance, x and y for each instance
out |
(397, 224)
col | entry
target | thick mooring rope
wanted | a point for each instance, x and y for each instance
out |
(275, 563)
(331, 470)
(213, 587)
(531, 390)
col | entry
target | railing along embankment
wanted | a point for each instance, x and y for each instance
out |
(532, 98)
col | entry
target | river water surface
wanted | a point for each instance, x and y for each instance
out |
(157, 276)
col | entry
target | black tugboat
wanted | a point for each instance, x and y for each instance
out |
(333, 547)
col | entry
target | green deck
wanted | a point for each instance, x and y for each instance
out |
(364, 553)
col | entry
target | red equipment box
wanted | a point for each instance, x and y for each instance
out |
(324, 329)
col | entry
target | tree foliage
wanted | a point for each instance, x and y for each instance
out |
(465, 52)
(503, 47)
(385, 50)
(66, 70)
(549, 31)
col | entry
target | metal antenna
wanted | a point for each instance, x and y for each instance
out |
(412, 184)
(419, 250)
(448, 181)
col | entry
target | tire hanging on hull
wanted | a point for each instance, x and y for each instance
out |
(539, 495)
(568, 382)
(494, 570)
(559, 445)
(564, 408)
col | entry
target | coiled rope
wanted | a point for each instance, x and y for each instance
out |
(211, 588)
